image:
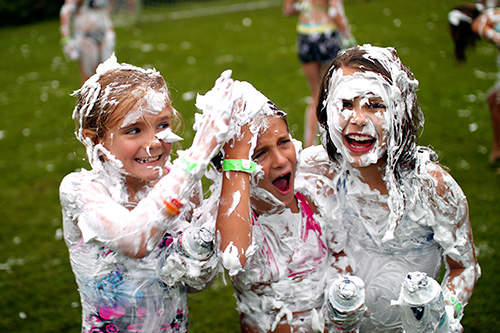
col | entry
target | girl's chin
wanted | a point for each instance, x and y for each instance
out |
(146, 178)
(361, 161)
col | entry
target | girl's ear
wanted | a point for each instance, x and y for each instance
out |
(90, 134)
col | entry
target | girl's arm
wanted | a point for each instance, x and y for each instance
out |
(484, 27)
(337, 13)
(454, 233)
(66, 14)
(290, 7)
(234, 220)
(136, 231)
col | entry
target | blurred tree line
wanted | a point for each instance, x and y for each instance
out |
(17, 12)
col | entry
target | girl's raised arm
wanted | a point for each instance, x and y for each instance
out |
(234, 220)
(136, 231)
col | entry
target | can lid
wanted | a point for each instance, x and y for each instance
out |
(419, 289)
(197, 243)
(346, 294)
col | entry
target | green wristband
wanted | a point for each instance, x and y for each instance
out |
(64, 40)
(239, 165)
(457, 306)
(185, 164)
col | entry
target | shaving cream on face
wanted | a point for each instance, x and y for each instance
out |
(363, 85)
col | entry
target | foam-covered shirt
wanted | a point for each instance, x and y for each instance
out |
(432, 226)
(286, 270)
(118, 293)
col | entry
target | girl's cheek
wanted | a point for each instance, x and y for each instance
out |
(340, 122)
(168, 147)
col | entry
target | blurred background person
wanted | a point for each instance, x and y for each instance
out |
(126, 12)
(468, 24)
(489, 3)
(323, 29)
(87, 33)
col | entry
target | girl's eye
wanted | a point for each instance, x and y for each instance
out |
(377, 106)
(164, 126)
(347, 104)
(285, 141)
(133, 131)
(258, 155)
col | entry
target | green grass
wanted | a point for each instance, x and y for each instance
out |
(37, 288)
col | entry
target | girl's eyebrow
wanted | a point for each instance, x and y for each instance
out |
(128, 125)
(169, 118)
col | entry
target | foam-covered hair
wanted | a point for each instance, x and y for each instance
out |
(112, 85)
(405, 118)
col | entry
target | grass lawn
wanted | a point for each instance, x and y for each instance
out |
(38, 148)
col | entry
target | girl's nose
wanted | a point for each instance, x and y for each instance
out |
(359, 116)
(153, 142)
(278, 159)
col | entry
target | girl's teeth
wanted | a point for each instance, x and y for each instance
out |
(359, 137)
(148, 160)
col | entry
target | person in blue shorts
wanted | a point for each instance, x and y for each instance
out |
(323, 29)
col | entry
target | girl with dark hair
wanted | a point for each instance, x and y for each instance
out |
(272, 239)
(469, 23)
(399, 209)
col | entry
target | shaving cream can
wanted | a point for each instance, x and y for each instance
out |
(196, 243)
(421, 304)
(346, 304)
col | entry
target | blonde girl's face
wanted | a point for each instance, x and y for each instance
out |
(275, 153)
(357, 117)
(134, 140)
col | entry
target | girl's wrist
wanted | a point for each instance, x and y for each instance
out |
(65, 40)
(239, 165)
(192, 165)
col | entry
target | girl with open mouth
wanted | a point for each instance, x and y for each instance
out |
(400, 211)
(271, 236)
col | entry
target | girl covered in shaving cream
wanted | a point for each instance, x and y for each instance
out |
(121, 216)
(272, 239)
(399, 209)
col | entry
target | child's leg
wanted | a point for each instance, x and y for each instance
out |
(89, 57)
(107, 45)
(312, 71)
(494, 104)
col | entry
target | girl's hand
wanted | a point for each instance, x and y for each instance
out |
(212, 125)
(239, 146)
(249, 109)
(71, 49)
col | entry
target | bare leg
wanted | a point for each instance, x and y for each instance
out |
(494, 104)
(313, 72)
(107, 46)
(89, 58)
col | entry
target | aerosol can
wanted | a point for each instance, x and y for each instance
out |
(346, 304)
(421, 305)
(196, 243)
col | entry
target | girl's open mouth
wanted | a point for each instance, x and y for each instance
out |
(360, 143)
(282, 183)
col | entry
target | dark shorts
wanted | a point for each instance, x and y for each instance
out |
(318, 47)
(97, 36)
